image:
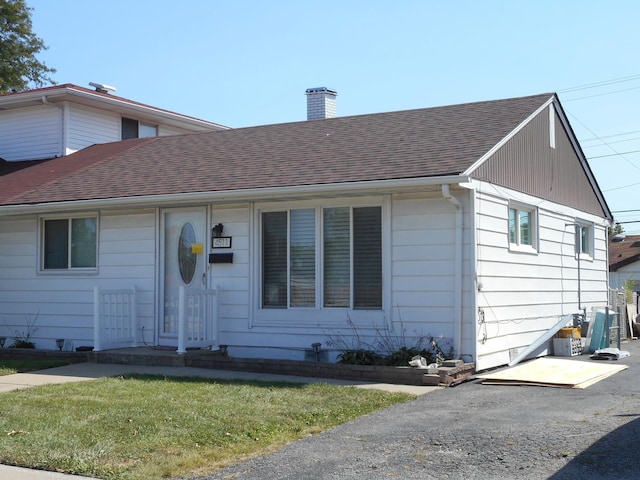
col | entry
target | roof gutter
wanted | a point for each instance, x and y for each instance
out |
(149, 110)
(253, 194)
(64, 92)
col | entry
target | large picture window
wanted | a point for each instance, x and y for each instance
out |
(322, 257)
(69, 243)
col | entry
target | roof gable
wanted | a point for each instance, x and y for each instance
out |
(542, 158)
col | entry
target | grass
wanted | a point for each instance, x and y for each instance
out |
(149, 427)
(10, 366)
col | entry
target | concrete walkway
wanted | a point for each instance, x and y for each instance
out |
(80, 372)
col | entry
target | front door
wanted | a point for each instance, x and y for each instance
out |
(183, 245)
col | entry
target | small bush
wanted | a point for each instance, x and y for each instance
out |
(384, 347)
(359, 357)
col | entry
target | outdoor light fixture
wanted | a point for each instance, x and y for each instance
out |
(223, 350)
(216, 231)
(316, 348)
(217, 240)
(59, 343)
(2, 340)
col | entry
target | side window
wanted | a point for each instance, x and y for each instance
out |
(584, 239)
(522, 227)
(69, 243)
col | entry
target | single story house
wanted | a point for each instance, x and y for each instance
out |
(479, 225)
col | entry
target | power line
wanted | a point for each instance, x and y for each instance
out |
(620, 188)
(609, 136)
(601, 94)
(605, 143)
(600, 84)
(610, 143)
(614, 154)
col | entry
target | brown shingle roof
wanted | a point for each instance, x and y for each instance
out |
(623, 250)
(397, 145)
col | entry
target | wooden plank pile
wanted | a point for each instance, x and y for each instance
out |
(450, 373)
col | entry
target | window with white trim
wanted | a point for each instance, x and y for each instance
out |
(327, 257)
(584, 239)
(522, 226)
(69, 243)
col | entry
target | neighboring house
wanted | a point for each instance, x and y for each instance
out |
(55, 121)
(624, 261)
(470, 223)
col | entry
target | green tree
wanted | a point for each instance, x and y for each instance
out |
(19, 67)
(615, 229)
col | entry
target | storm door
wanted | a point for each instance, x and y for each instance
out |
(183, 245)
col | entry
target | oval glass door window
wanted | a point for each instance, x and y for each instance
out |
(186, 258)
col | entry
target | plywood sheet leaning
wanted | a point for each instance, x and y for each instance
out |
(552, 372)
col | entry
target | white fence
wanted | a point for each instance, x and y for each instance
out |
(115, 319)
(197, 318)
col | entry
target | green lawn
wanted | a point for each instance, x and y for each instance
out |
(11, 366)
(148, 427)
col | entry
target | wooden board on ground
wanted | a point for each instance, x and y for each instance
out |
(553, 372)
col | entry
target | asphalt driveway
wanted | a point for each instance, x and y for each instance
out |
(476, 431)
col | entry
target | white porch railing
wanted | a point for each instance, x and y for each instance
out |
(197, 318)
(115, 319)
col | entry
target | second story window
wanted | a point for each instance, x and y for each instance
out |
(135, 129)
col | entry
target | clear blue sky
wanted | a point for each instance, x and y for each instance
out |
(248, 62)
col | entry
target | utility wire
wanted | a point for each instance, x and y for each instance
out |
(600, 94)
(620, 188)
(605, 143)
(614, 154)
(600, 84)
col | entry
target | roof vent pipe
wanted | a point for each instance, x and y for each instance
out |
(321, 103)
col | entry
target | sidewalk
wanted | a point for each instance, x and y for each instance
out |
(80, 372)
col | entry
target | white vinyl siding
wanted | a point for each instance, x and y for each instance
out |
(87, 127)
(31, 133)
(63, 306)
(424, 254)
(520, 296)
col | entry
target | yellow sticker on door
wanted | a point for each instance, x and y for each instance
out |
(197, 248)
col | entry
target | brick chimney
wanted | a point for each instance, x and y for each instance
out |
(321, 103)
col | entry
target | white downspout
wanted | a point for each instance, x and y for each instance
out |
(457, 306)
